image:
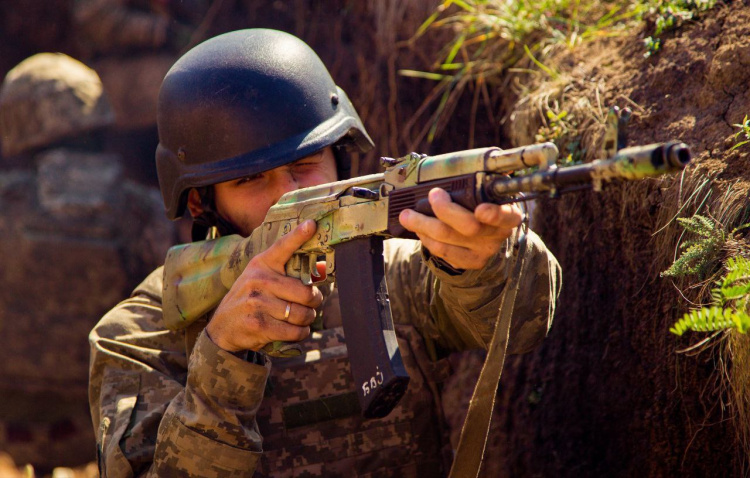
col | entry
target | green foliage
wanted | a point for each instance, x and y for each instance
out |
(491, 37)
(669, 15)
(652, 46)
(560, 129)
(744, 129)
(730, 301)
(711, 319)
(698, 254)
(558, 125)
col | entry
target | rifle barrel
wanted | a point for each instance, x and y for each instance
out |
(629, 164)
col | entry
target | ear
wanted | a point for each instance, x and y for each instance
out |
(194, 203)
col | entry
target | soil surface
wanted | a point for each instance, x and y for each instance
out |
(608, 394)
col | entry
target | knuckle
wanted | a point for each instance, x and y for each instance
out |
(316, 301)
(439, 248)
(256, 321)
(300, 333)
(472, 228)
(444, 230)
(308, 316)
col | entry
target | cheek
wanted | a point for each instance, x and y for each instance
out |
(322, 176)
(246, 212)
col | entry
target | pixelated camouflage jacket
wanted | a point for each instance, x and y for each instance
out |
(160, 410)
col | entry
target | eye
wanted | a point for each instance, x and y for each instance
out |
(248, 179)
(308, 161)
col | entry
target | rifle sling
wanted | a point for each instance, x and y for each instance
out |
(471, 444)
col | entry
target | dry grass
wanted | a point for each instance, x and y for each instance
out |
(488, 56)
(700, 192)
(737, 353)
(502, 45)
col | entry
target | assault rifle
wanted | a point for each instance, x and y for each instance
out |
(353, 218)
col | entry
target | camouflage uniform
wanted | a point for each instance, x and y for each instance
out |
(76, 237)
(170, 403)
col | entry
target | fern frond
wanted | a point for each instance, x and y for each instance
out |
(707, 319)
(737, 276)
(741, 321)
(736, 282)
(693, 261)
(691, 243)
(738, 264)
(735, 292)
(717, 296)
(698, 254)
(701, 225)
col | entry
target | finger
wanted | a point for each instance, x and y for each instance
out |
(292, 313)
(432, 227)
(260, 328)
(281, 251)
(454, 215)
(274, 330)
(506, 216)
(290, 289)
(456, 256)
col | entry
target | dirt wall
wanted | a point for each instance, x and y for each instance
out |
(609, 393)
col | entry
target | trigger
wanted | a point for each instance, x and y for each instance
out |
(305, 270)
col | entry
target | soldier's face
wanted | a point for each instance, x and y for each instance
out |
(244, 202)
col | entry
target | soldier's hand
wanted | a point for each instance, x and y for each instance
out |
(464, 239)
(264, 305)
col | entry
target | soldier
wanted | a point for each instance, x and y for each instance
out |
(76, 238)
(244, 118)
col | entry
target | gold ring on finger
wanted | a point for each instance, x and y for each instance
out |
(288, 310)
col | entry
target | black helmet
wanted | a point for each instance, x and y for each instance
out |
(245, 102)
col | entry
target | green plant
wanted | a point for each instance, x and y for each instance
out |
(491, 37)
(744, 129)
(698, 254)
(730, 301)
(561, 128)
(556, 127)
(652, 46)
(669, 15)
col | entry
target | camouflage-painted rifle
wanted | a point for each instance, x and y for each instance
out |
(354, 217)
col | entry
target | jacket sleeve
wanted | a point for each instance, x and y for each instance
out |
(457, 310)
(157, 412)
